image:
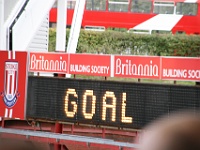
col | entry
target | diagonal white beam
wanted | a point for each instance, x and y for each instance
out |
(76, 26)
(29, 22)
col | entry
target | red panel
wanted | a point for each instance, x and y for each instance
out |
(66, 142)
(137, 67)
(84, 130)
(80, 129)
(104, 146)
(96, 65)
(53, 16)
(181, 68)
(13, 104)
(188, 24)
(105, 18)
(114, 19)
(49, 62)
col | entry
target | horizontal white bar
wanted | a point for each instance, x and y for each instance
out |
(94, 28)
(39, 41)
(190, 1)
(42, 46)
(169, 5)
(126, 3)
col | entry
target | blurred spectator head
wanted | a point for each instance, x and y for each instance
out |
(180, 131)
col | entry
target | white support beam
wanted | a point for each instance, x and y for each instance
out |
(2, 28)
(61, 25)
(31, 19)
(11, 10)
(76, 26)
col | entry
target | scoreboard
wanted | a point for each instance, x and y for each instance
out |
(111, 103)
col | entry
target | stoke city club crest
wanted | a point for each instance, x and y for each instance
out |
(10, 93)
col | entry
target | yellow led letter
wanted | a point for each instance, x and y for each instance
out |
(112, 106)
(67, 112)
(86, 94)
(125, 119)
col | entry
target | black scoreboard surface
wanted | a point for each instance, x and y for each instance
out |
(119, 104)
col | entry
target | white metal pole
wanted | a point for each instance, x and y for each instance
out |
(2, 38)
(76, 26)
(61, 25)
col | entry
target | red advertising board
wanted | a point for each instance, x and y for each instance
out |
(13, 84)
(88, 64)
(181, 68)
(149, 67)
(137, 67)
(49, 62)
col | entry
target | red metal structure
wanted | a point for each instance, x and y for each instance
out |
(57, 136)
(151, 16)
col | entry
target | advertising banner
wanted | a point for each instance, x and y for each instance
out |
(137, 67)
(88, 64)
(180, 68)
(49, 62)
(143, 67)
(13, 82)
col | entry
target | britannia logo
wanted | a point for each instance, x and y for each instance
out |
(10, 93)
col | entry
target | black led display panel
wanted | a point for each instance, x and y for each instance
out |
(119, 104)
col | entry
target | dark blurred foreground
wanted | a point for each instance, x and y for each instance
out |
(180, 131)
(14, 144)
